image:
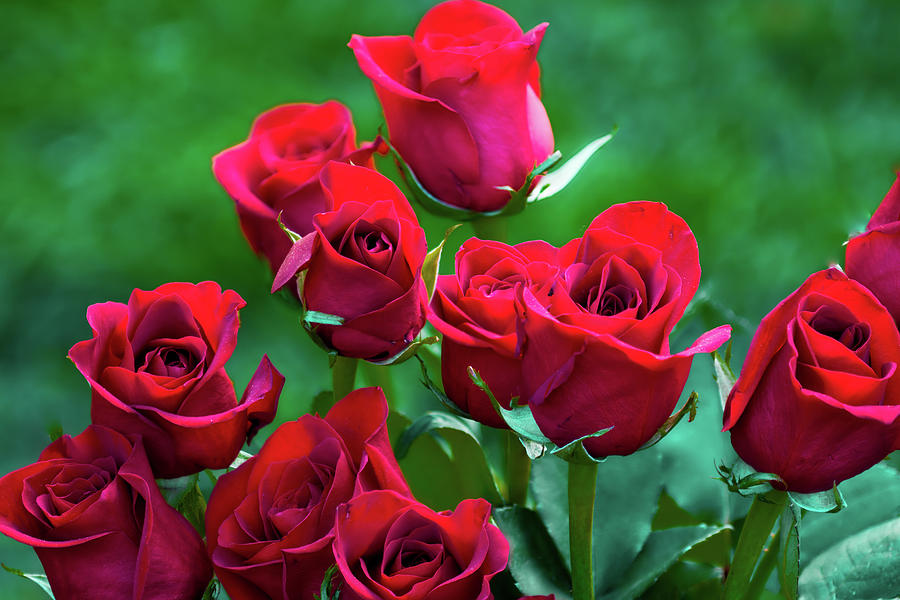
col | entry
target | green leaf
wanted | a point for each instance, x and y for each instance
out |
(451, 449)
(575, 451)
(519, 418)
(865, 566)
(314, 316)
(662, 550)
(873, 497)
(552, 183)
(534, 562)
(829, 501)
(723, 374)
(430, 421)
(689, 408)
(432, 263)
(789, 556)
(627, 494)
(39, 578)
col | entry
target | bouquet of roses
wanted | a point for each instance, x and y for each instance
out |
(535, 472)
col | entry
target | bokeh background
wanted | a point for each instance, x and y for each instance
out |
(772, 127)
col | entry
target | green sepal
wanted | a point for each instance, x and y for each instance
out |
(521, 421)
(550, 184)
(240, 459)
(293, 235)
(555, 181)
(742, 479)
(325, 591)
(39, 578)
(408, 352)
(433, 262)
(689, 409)
(438, 393)
(184, 495)
(828, 501)
(55, 430)
(789, 555)
(429, 202)
(320, 318)
(723, 374)
(212, 590)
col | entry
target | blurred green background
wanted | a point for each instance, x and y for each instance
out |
(772, 127)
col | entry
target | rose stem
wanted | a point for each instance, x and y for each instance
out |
(343, 376)
(518, 470)
(582, 489)
(491, 228)
(756, 529)
(380, 375)
(764, 569)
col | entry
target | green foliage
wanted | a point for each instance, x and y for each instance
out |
(864, 566)
(534, 561)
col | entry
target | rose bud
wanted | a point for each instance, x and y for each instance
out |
(462, 101)
(818, 398)
(388, 547)
(363, 264)
(873, 257)
(157, 369)
(99, 525)
(597, 356)
(275, 171)
(475, 310)
(270, 522)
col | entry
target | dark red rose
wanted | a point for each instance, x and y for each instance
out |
(462, 101)
(98, 523)
(475, 309)
(363, 263)
(270, 522)
(157, 369)
(275, 171)
(873, 257)
(818, 398)
(597, 355)
(389, 546)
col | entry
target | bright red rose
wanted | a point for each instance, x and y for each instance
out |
(362, 263)
(818, 398)
(98, 523)
(873, 257)
(157, 369)
(597, 355)
(270, 522)
(475, 309)
(275, 171)
(389, 547)
(462, 101)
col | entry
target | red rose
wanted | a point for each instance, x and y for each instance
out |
(275, 171)
(461, 100)
(873, 257)
(597, 355)
(98, 523)
(818, 398)
(363, 263)
(157, 369)
(475, 309)
(388, 547)
(270, 522)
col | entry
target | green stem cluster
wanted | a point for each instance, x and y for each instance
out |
(582, 489)
(758, 525)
